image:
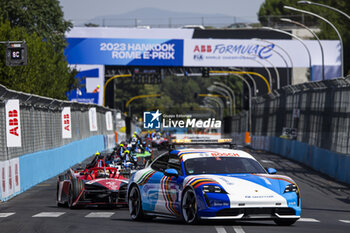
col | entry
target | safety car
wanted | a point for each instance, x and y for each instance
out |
(200, 184)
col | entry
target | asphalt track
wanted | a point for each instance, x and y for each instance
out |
(325, 208)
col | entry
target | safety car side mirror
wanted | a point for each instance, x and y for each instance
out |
(171, 172)
(271, 171)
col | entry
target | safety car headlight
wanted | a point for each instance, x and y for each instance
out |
(291, 188)
(213, 189)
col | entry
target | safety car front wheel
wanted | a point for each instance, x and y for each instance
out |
(135, 204)
(189, 207)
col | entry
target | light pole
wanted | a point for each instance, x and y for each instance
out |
(267, 71)
(326, 6)
(244, 72)
(285, 62)
(281, 48)
(222, 91)
(276, 72)
(110, 79)
(314, 34)
(335, 29)
(250, 77)
(139, 97)
(295, 37)
(218, 102)
(232, 94)
(249, 90)
(210, 105)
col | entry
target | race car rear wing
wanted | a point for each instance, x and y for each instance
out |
(220, 141)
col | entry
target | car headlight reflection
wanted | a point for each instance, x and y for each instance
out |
(291, 188)
(212, 189)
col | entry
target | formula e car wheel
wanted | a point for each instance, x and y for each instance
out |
(75, 188)
(285, 222)
(135, 204)
(59, 204)
(189, 207)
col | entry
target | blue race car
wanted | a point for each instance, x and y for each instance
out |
(198, 184)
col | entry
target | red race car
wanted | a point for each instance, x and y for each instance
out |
(97, 184)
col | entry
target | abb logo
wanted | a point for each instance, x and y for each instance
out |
(66, 122)
(3, 180)
(215, 154)
(203, 48)
(13, 122)
(10, 177)
(16, 175)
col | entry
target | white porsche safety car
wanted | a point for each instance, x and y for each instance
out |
(197, 184)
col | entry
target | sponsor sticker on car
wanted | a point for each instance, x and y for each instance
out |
(218, 154)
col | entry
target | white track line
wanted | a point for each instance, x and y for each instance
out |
(220, 230)
(5, 215)
(344, 221)
(266, 161)
(100, 215)
(238, 229)
(48, 214)
(308, 220)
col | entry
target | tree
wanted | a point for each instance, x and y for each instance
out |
(91, 25)
(47, 72)
(275, 8)
(177, 94)
(41, 24)
(44, 17)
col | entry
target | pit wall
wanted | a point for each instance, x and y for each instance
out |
(333, 164)
(20, 174)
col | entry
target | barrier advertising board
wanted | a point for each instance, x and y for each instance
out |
(92, 119)
(109, 121)
(66, 123)
(13, 123)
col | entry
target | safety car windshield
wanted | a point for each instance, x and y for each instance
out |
(222, 165)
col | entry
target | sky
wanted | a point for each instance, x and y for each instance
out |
(80, 10)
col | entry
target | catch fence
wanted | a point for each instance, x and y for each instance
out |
(316, 113)
(41, 123)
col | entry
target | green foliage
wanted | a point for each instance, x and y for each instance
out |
(91, 25)
(177, 94)
(41, 24)
(44, 17)
(275, 7)
(47, 72)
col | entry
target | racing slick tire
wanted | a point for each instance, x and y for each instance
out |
(57, 193)
(75, 188)
(135, 205)
(189, 207)
(285, 222)
(60, 178)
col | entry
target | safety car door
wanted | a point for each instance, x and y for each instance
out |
(151, 188)
(171, 187)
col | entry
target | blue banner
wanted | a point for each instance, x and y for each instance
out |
(129, 52)
(80, 94)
